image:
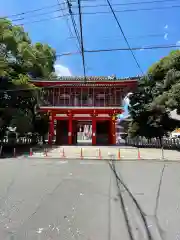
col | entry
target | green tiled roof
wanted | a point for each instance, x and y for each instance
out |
(78, 84)
(88, 79)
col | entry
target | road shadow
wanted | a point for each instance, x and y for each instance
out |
(24, 150)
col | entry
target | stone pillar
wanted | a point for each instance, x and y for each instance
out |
(76, 101)
(93, 130)
(70, 130)
(90, 101)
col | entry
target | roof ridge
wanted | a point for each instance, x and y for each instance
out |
(88, 78)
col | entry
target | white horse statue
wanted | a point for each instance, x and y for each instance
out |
(126, 104)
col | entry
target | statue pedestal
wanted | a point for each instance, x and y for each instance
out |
(122, 130)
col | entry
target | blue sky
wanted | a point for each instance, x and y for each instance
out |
(101, 32)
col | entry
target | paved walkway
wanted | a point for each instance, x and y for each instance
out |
(108, 152)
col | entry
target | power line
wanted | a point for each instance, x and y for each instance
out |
(128, 4)
(85, 6)
(90, 13)
(39, 14)
(155, 47)
(104, 37)
(134, 48)
(64, 15)
(79, 38)
(41, 20)
(133, 10)
(29, 11)
(71, 34)
(82, 42)
(74, 23)
(151, 35)
(75, 28)
(119, 25)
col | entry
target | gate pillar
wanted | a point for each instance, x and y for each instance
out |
(70, 129)
(93, 130)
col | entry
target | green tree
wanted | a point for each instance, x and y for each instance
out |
(22, 121)
(41, 124)
(19, 61)
(20, 56)
(157, 94)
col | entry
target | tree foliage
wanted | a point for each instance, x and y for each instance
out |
(20, 60)
(157, 94)
(20, 56)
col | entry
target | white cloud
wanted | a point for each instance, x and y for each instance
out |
(178, 43)
(61, 70)
(166, 26)
(166, 36)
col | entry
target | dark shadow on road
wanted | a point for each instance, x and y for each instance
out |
(24, 150)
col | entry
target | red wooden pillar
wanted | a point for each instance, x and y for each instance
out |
(74, 132)
(70, 130)
(93, 130)
(51, 129)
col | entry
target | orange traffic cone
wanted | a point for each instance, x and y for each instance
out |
(30, 152)
(45, 152)
(81, 155)
(119, 154)
(63, 153)
(100, 156)
(139, 154)
(14, 152)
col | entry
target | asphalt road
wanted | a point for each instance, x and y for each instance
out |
(44, 199)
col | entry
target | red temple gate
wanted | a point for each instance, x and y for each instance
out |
(70, 100)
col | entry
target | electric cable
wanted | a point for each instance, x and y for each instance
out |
(120, 27)
(90, 13)
(121, 49)
(69, 28)
(86, 6)
(74, 24)
(153, 47)
(82, 41)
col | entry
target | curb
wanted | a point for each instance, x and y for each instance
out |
(103, 159)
